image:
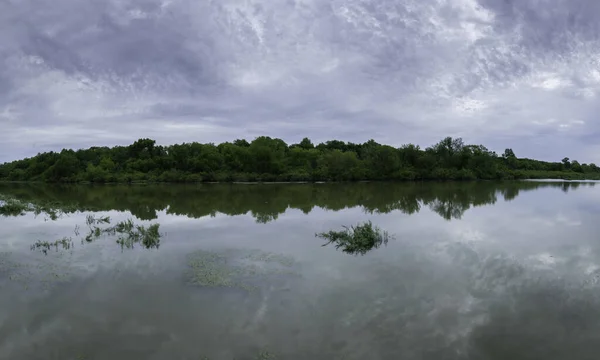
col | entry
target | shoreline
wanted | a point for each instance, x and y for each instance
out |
(151, 182)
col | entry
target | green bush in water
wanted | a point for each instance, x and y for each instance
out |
(357, 239)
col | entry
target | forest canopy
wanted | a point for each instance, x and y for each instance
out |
(271, 159)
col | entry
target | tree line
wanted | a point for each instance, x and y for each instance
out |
(270, 159)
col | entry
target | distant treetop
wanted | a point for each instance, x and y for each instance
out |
(271, 159)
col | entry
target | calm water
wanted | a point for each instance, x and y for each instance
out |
(474, 271)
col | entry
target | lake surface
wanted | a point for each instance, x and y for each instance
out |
(472, 271)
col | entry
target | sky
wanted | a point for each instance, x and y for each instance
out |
(520, 74)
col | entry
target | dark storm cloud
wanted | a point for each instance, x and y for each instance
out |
(520, 74)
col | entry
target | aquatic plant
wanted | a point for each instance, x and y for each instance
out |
(236, 269)
(210, 269)
(149, 237)
(129, 234)
(33, 275)
(124, 226)
(358, 239)
(93, 234)
(92, 220)
(66, 243)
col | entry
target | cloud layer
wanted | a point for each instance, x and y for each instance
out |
(523, 74)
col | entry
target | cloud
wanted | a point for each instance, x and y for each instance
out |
(519, 74)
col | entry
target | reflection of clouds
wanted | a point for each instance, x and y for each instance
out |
(453, 301)
(562, 219)
(544, 260)
(558, 220)
(468, 234)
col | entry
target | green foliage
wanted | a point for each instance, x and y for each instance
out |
(66, 243)
(128, 233)
(149, 237)
(357, 239)
(271, 159)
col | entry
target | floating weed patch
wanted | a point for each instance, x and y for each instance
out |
(31, 275)
(210, 269)
(44, 246)
(232, 269)
(358, 239)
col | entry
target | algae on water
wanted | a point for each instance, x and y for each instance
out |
(358, 239)
(31, 275)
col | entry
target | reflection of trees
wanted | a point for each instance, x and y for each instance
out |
(267, 202)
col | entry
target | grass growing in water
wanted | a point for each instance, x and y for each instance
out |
(358, 239)
(66, 244)
(129, 234)
(149, 237)
(92, 220)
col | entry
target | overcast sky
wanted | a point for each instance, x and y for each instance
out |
(523, 74)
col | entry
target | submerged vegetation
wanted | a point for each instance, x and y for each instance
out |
(271, 159)
(30, 275)
(236, 269)
(358, 239)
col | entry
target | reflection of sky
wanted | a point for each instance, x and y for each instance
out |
(511, 269)
(535, 225)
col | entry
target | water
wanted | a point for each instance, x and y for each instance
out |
(473, 271)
